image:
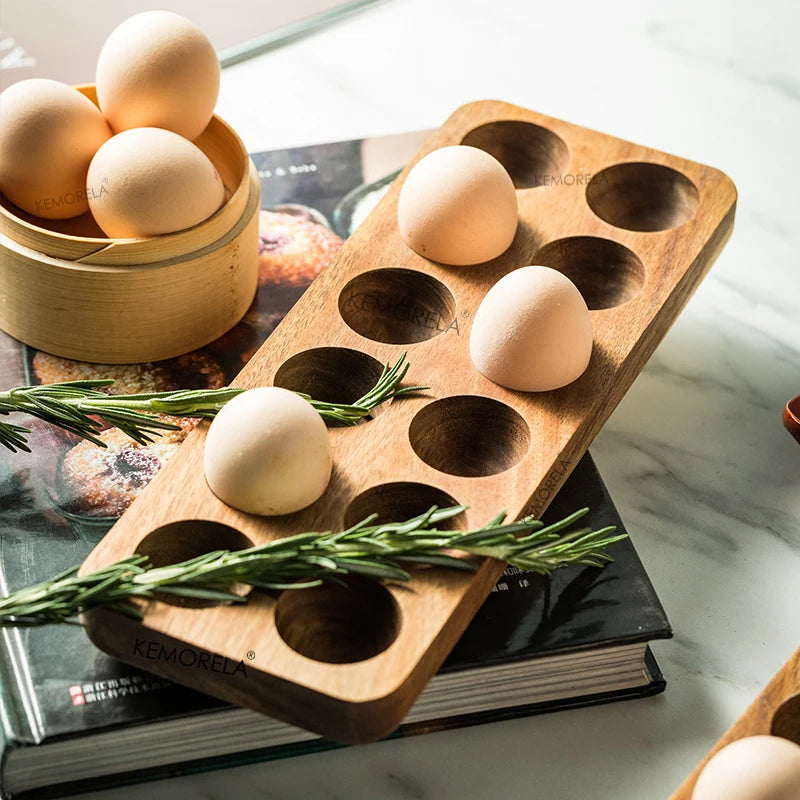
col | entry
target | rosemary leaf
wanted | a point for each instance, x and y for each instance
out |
(452, 562)
(80, 408)
(202, 594)
(308, 559)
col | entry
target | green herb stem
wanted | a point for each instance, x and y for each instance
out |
(305, 560)
(82, 408)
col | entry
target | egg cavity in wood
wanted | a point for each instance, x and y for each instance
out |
(150, 181)
(268, 452)
(158, 69)
(532, 331)
(458, 206)
(49, 133)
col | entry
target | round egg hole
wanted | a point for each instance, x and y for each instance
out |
(397, 502)
(532, 155)
(639, 196)
(397, 306)
(471, 436)
(180, 541)
(606, 273)
(330, 374)
(786, 721)
(338, 624)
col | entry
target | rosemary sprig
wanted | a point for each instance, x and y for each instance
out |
(80, 407)
(386, 388)
(307, 559)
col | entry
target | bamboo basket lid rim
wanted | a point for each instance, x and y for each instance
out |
(229, 156)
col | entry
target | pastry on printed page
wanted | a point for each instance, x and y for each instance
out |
(195, 370)
(293, 249)
(104, 481)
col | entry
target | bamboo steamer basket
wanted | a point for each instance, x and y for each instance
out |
(70, 291)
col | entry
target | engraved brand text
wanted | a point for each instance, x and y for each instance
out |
(401, 310)
(548, 488)
(567, 178)
(70, 198)
(188, 657)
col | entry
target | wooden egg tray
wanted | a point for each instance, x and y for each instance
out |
(775, 712)
(349, 663)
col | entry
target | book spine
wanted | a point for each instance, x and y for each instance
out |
(20, 719)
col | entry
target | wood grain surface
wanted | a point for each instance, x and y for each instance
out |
(658, 223)
(776, 712)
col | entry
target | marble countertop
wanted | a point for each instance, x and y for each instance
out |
(695, 456)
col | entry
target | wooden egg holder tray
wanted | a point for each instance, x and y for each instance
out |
(775, 712)
(349, 663)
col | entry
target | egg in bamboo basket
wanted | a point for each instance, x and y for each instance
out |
(69, 290)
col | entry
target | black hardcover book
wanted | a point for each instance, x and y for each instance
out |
(73, 718)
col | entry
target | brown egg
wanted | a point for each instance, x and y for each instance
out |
(149, 181)
(48, 134)
(458, 206)
(157, 69)
(752, 768)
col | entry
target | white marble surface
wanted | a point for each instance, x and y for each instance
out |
(695, 456)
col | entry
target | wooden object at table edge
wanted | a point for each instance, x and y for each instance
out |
(776, 712)
(364, 700)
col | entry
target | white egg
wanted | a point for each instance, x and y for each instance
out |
(268, 452)
(532, 331)
(752, 768)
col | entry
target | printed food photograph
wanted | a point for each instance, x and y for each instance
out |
(362, 435)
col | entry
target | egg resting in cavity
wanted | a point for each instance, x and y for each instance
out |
(268, 452)
(48, 134)
(150, 181)
(458, 206)
(532, 331)
(158, 69)
(752, 768)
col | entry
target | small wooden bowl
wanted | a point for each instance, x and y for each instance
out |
(791, 417)
(68, 290)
